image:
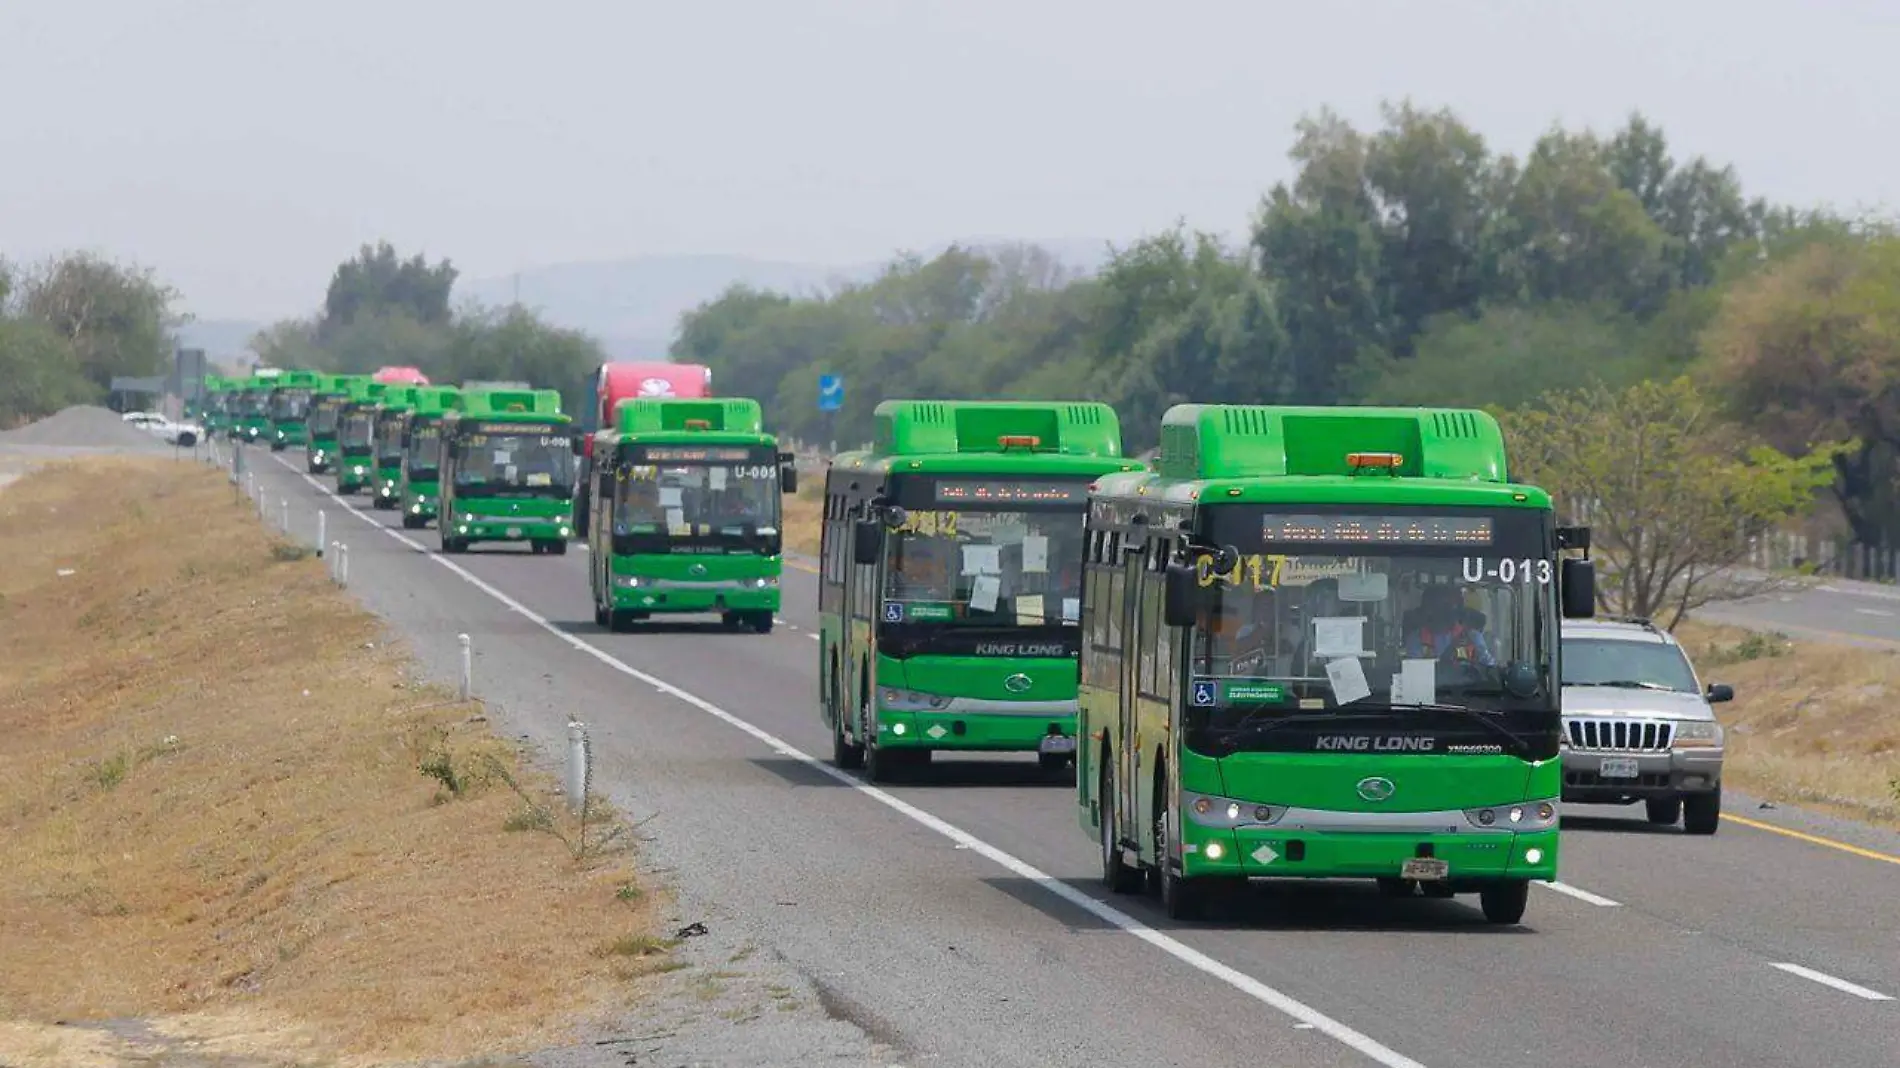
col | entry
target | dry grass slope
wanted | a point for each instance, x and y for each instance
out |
(804, 515)
(1811, 723)
(214, 818)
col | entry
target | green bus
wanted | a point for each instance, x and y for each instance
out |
(1323, 643)
(251, 415)
(506, 470)
(950, 585)
(326, 416)
(289, 409)
(356, 433)
(689, 493)
(387, 437)
(421, 453)
(217, 404)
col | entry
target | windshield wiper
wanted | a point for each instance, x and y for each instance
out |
(1630, 684)
(1483, 718)
(1230, 739)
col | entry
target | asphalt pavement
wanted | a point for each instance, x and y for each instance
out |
(960, 919)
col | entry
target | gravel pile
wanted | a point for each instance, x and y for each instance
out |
(84, 427)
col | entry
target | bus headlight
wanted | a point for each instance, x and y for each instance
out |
(764, 583)
(1517, 816)
(628, 582)
(1226, 813)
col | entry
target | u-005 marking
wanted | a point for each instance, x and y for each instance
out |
(1193, 958)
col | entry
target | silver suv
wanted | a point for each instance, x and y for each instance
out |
(1638, 725)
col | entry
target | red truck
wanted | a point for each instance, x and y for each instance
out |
(400, 376)
(612, 383)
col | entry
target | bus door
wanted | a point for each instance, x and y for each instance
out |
(1126, 616)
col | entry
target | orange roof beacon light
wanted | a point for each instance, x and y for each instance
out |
(1361, 461)
(1019, 441)
(698, 424)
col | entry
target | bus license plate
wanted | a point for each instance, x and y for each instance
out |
(1425, 869)
(1618, 768)
(514, 532)
(1055, 743)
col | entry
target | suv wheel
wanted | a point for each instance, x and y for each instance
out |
(1664, 812)
(1702, 812)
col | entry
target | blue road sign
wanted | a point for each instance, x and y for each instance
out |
(830, 392)
(1203, 694)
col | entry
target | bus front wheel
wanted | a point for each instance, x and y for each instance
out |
(1504, 902)
(1181, 897)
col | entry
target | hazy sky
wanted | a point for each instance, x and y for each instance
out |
(244, 147)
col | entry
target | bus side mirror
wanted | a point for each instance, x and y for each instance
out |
(788, 479)
(867, 541)
(1578, 582)
(1181, 596)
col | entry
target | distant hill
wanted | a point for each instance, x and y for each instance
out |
(634, 305)
(224, 340)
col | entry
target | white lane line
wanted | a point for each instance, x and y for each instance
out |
(1839, 984)
(1584, 896)
(813, 637)
(1180, 951)
(1875, 612)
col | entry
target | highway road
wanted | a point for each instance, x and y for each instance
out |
(1836, 610)
(961, 918)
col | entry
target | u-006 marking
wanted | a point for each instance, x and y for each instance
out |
(1193, 958)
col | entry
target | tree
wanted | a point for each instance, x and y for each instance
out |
(1673, 492)
(116, 319)
(38, 372)
(1809, 349)
(1510, 356)
(377, 281)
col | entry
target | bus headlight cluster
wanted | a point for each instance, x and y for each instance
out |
(1520, 816)
(911, 701)
(628, 582)
(765, 582)
(1227, 813)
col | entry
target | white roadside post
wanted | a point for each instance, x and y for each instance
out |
(576, 764)
(343, 564)
(283, 513)
(322, 522)
(468, 666)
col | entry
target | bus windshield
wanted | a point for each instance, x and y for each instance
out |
(423, 441)
(389, 437)
(323, 418)
(355, 434)
(683, 501)
(1300, 629)
(513, 465)
(962, 567)
(256, 402)
(290, 405)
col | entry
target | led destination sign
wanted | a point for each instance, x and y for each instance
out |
(973, 491)
(665, 454)
(1376, 529)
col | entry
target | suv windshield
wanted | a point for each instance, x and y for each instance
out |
(1636, 665)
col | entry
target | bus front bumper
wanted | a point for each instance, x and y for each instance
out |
(1034, 727)
(635, 593)
(419, 504)
(1266, 852)
(511, 528)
